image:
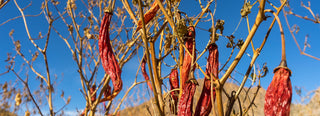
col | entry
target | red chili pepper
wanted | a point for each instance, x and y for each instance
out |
(186, 99)
(279, 93)
(204, 105)
(149, 15)
(109, 62)
(107, 91)
(174, 84)
(187, 61)
(92, 89)
(144, 72)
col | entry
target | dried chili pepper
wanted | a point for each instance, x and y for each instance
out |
(107, 91)
(144, 72)
(186, 99)
(204, 105)
(109, 62)
(187, 61)
(279, 93)
(92, 89)
(174, 84)
(149, 15)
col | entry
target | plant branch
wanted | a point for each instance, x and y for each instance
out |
(25, 83)
(260, 17)
(295, 40)
(153, 80)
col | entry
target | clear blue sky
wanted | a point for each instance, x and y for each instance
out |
(305, 69)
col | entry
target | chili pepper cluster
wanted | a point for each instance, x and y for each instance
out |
(277, 99)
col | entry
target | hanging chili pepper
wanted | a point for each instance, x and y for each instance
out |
(92, 89)
(149, 15)
(204, 105)
(107, 91)
(185, 103)
(279, 93)
(144, 72)
(109, 62)
(174, 84)
(187, 61)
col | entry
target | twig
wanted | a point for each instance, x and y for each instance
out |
(26, 26)
(3, 4)
(260, 17)
(295, 40)
(202, 12)
(29, 92)
(252, 101)
(19, 17)
(225, 64)
(129, 10)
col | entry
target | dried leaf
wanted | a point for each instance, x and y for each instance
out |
(27, 113)
(17, 45)
(62, 94)
(18, 99)
(69, 99)
(35, 56)
(246, 9)
(11, 32)
(70, 28)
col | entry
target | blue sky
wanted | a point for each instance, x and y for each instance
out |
(305, 69)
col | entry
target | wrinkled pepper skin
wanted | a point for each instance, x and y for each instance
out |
(109, 62)
(279, 94)
(187, 60)
(149, 15)
(144, 72)
(186, 100)
(204, 105)
(174, 84)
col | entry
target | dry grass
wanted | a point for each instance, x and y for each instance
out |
(310, 109)
(146, 109)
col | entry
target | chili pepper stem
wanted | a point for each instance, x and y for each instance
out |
(283, 63)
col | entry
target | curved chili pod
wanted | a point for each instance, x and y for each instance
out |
(174, 84)
(144, 72)
(279, 94)
(109, 62)
(187, 60)
(149, 15)
(186, 99)
(204, 105)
